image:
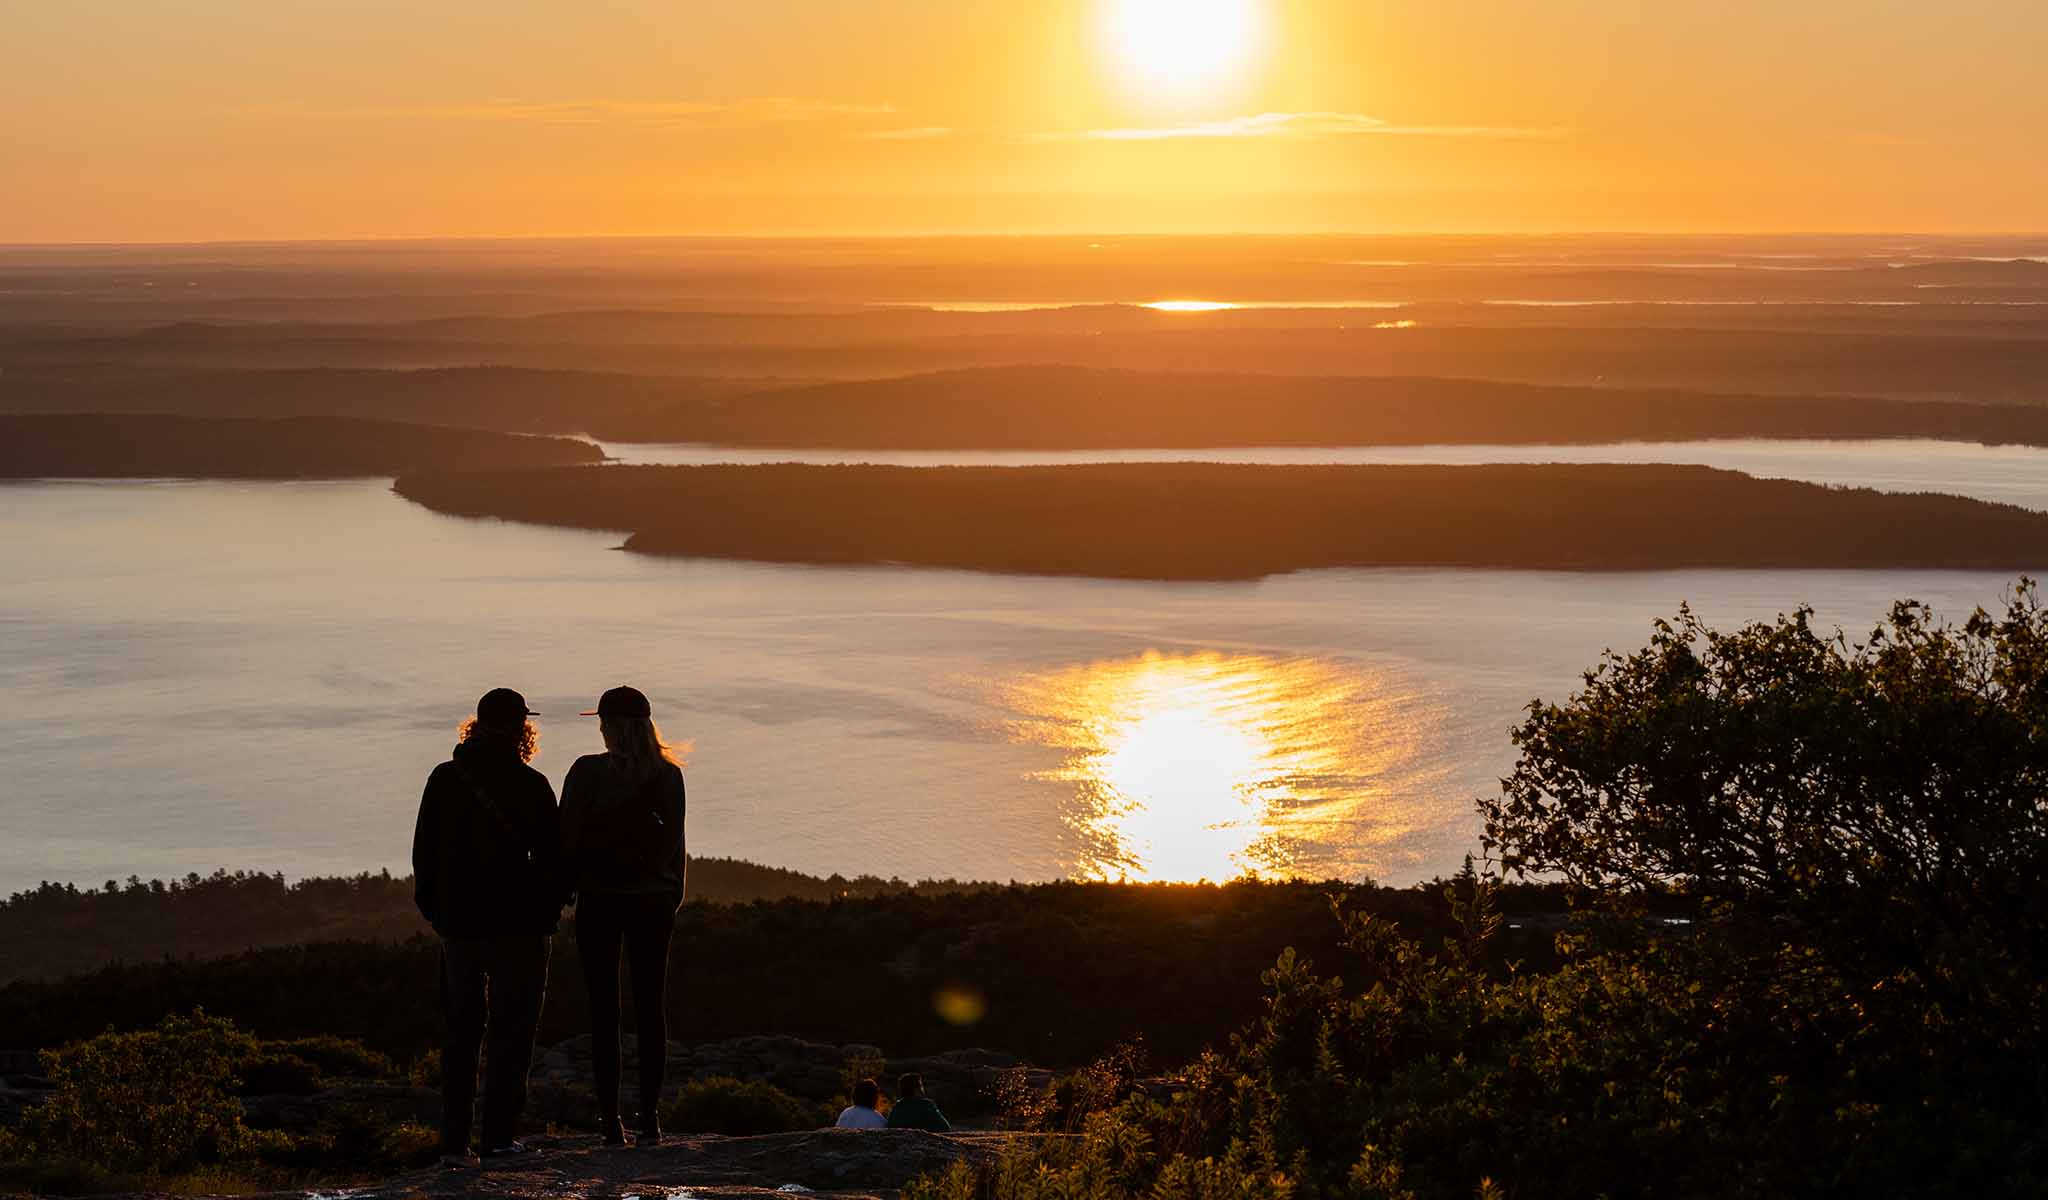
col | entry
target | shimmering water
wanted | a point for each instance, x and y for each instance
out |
(260, 674)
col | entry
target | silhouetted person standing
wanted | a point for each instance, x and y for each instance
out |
(486, 861)
(622, 831)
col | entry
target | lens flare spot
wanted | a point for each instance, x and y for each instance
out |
(960, 1005)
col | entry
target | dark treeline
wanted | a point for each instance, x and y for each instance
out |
(1056, 408)
(1068, 971)
(1219, 521)
(1025, 407)
(505, 399)
(1923, 358)
(59, 929)
(118, 445)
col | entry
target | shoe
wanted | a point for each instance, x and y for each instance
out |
(614, 1131)
(462, 1161)
(512, 1151)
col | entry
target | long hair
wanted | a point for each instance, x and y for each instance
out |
(527, 742)
(636, 746)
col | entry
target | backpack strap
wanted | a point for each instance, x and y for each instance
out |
(517, 836)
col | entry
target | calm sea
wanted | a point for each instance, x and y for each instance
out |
(259, 675)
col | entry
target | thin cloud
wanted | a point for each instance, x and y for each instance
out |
(922, 133)
(659, 114)
(1298, 125)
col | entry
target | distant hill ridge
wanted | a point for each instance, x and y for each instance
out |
(1048, 406)
(126, 445)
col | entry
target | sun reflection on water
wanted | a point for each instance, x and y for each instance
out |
(1211, 766)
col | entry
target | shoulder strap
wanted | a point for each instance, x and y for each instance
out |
(514, 834)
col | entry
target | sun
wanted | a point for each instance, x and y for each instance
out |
(1181, 49)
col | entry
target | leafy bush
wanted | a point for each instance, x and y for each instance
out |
(268, 1073)
(722, 1104)
(153, 1100)
(339, 1057)
(1113, 1158)
(1885, 801)
(358, 1140)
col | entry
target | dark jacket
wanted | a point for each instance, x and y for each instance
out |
(590, 792)
(918, 1112)
(477, 874)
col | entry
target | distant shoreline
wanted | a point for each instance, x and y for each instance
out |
(1208, 521)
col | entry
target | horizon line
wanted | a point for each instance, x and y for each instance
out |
(1013, 235)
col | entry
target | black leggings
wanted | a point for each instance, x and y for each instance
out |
(642, 926)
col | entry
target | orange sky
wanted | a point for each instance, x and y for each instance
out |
(154, 120)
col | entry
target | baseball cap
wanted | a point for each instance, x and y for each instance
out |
(502, 706)
(621, 701)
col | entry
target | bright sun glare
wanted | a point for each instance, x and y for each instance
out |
(1206, 766)
(1171, 49)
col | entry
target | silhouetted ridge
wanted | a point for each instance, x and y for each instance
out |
(1069, 407)
(118, 445)
(1219, 521)
(1039, 407)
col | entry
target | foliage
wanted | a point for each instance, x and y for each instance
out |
(1882, 805)
(57, 929)
(338, 1057)
(1112, 1158)
(722, 1104)
(156, 1110)
(155, 1099)
(1069, 971)
(360, 1140)
(1780, 767)
(267, 1073)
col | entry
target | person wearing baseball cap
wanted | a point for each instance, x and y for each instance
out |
(486, 863)
(622, 838)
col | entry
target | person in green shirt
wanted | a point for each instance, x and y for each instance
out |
(915, 1110)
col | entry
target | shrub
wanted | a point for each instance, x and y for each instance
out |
(1113, 1158)
(272, 1074)
(153, 1100)
(357, 1140)
(339, 1057)
(1885, 800)
(721, 1104)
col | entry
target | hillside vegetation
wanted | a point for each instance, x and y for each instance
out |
(1063, 972)
(121, 445)
(1025, 407)
(59, 929)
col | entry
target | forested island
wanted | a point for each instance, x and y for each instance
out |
(127, 445)
(1224, 521)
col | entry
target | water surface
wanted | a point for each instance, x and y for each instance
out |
(259, 675)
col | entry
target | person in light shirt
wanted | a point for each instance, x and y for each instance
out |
(862, 1114)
